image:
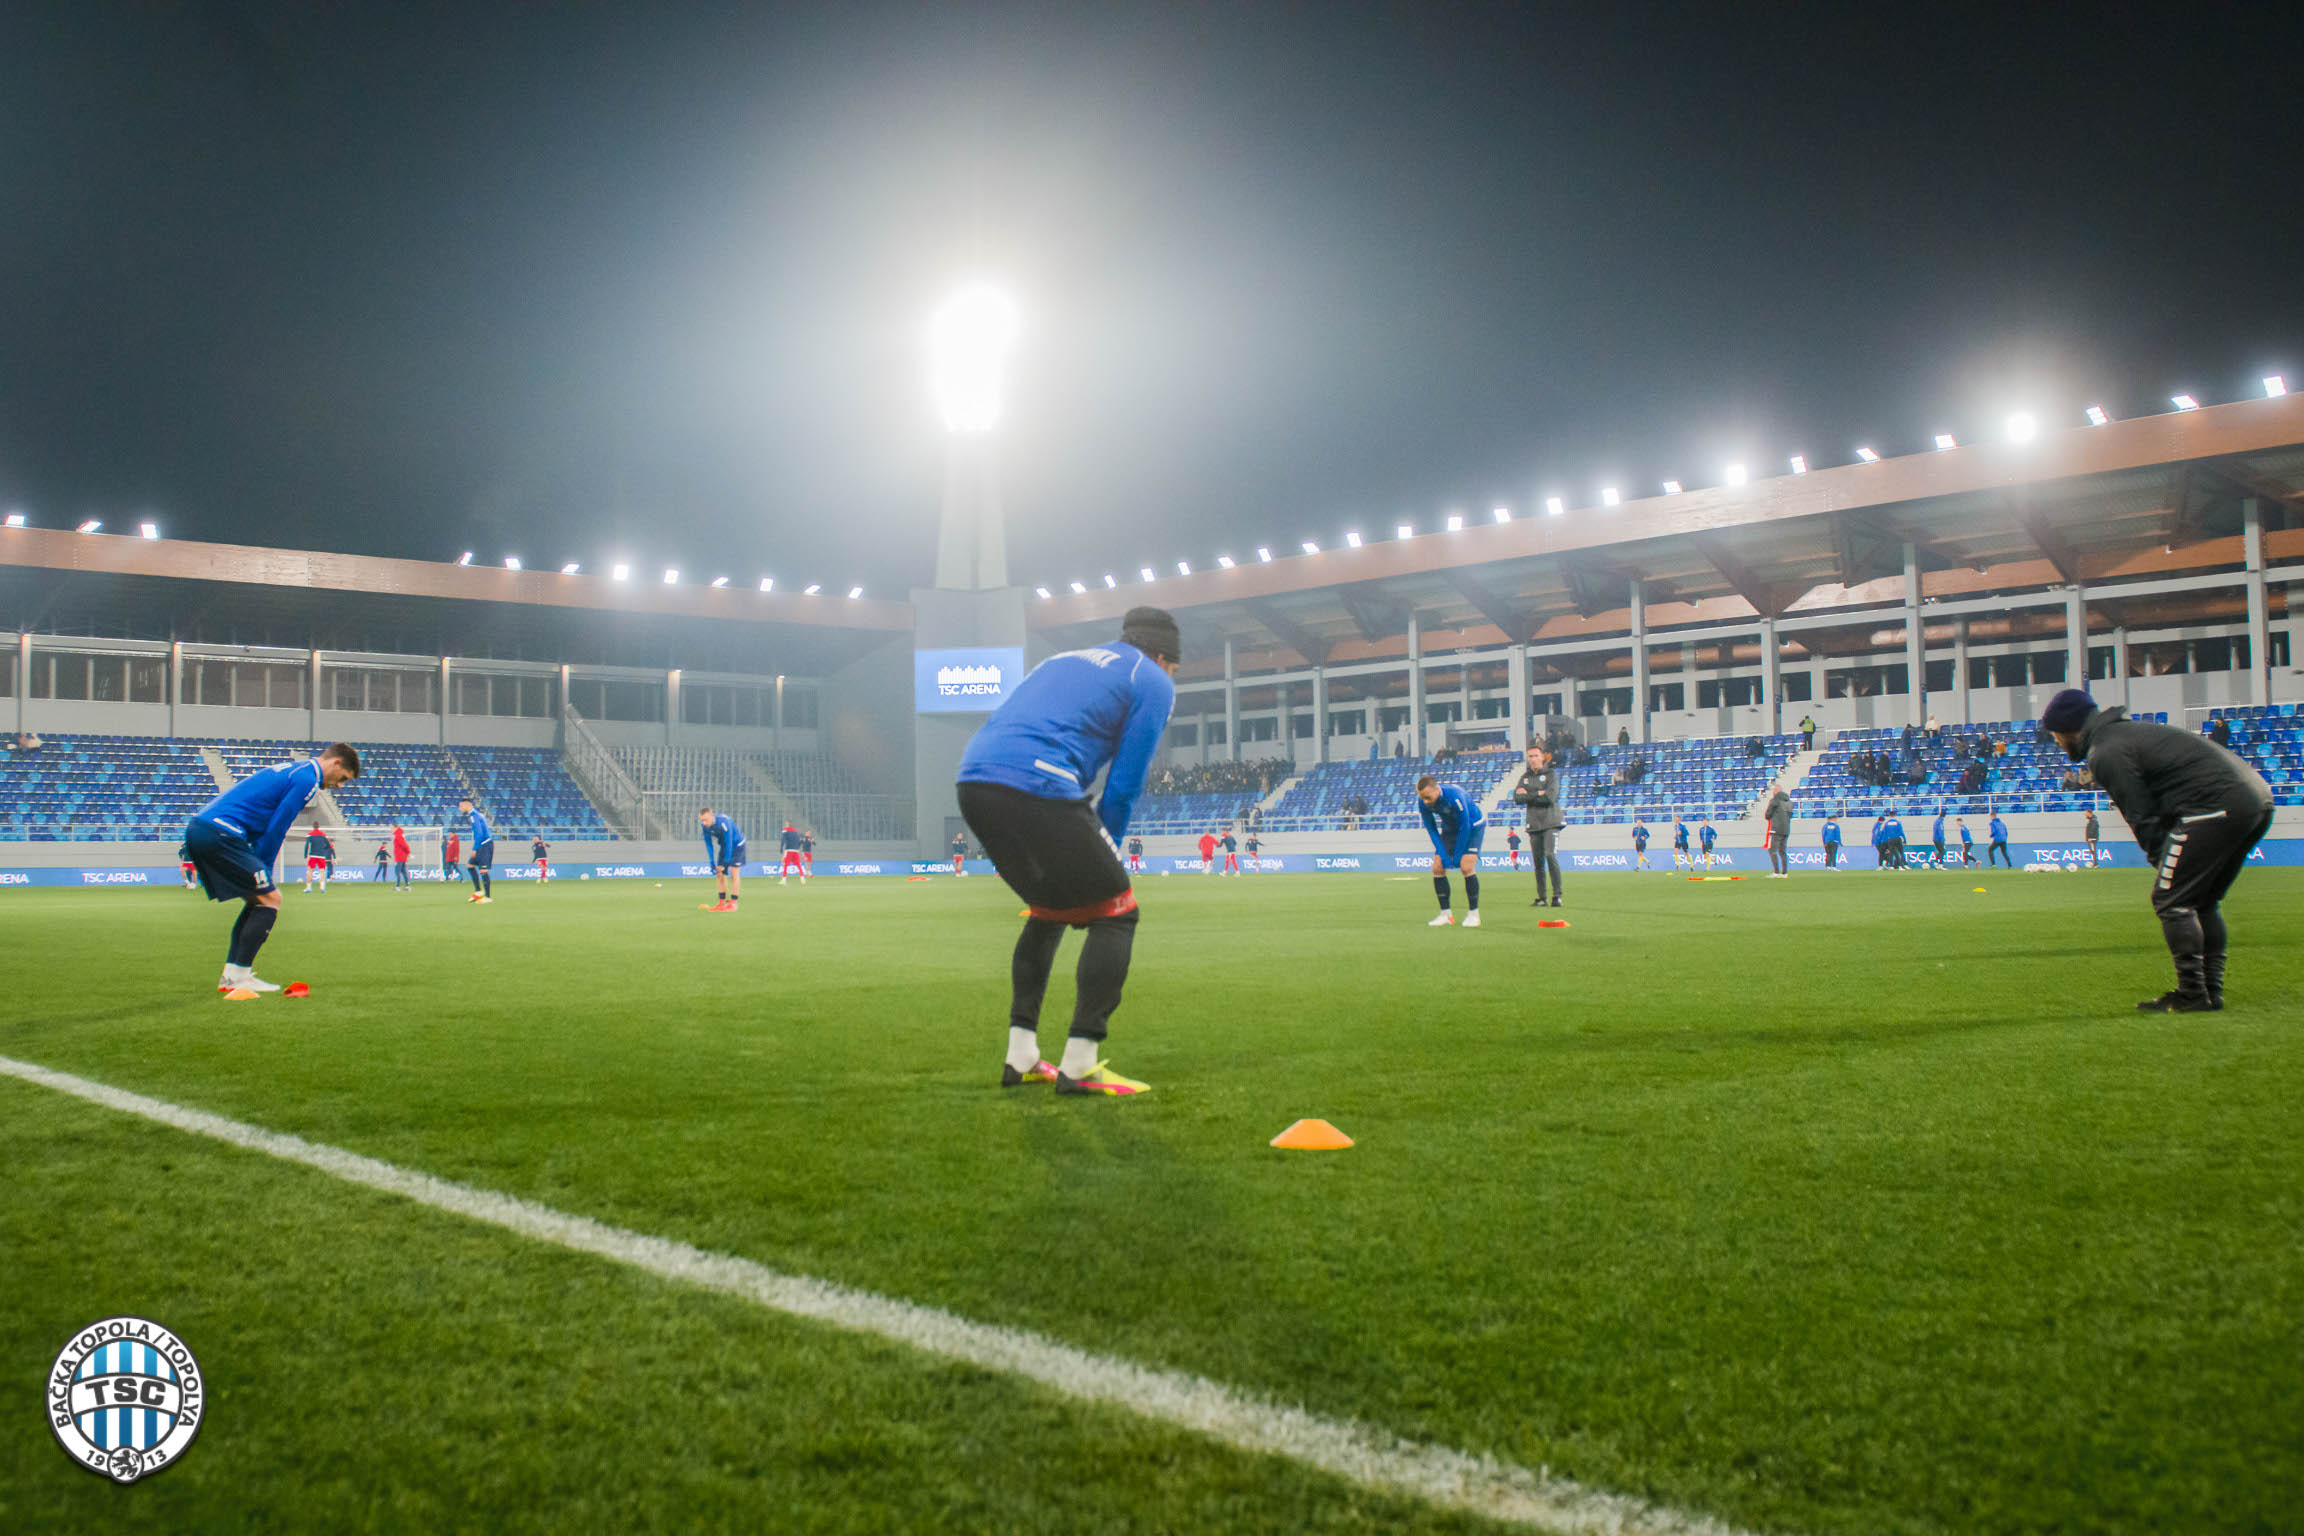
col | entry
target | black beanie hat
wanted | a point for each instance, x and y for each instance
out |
(2068, 711)
(1152, 631)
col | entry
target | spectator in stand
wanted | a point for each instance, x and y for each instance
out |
(1623, 735)
(1807, 733)
(2220, 731)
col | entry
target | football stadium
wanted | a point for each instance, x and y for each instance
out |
(1611, 1007)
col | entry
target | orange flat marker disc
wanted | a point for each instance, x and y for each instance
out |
(239, 995)
(1551, 922)
(1312, 1136)
(298, 989)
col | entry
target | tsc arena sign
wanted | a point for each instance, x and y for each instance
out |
(974, 680)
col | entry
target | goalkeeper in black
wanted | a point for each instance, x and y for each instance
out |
(2197, 811)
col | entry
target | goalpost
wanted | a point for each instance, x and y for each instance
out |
(356, 854)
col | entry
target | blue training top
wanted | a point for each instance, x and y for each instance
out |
(1453, 820)
(1939, 837)
(1999, 830)
(480, 832)
(264, 805)
(1707, 834)
(1832, 831)
(721, 840)
(1073, 715)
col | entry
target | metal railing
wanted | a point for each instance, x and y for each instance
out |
(596, 772)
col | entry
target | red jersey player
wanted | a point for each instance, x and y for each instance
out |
(1207, 852)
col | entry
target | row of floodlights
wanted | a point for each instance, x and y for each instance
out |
(92, 525)
(2022, 427)
(623, 572)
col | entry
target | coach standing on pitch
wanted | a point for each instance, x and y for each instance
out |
(1539, 791)
(2196, 810)
(1023, 790)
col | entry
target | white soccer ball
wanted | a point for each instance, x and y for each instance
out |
(583, 877)
(1164, 874)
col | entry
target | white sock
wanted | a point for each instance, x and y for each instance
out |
(1023, 1049)
(1080, 1056)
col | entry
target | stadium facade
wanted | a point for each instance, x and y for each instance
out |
(2153, 558)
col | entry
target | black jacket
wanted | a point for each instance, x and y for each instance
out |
(1779, 814)
(1539, 791)
(2156, 774)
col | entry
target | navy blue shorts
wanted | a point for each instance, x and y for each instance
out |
(226, 863)
(484, 856)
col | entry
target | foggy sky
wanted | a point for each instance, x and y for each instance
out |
(651, 282)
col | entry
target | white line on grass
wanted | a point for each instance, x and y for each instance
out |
(1357, 1453)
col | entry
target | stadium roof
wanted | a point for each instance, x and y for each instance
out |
(2131, 499)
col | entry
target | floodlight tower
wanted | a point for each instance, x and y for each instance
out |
(969, 343)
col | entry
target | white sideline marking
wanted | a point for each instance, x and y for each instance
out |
(1357, 1453)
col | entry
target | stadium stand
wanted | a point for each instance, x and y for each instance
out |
(2020, 771)
(102, 789)
(1321, 801)
(524, 791)
(2270, 737)
(409, 786)
(1714, 777)
(1166, 814)
(813, 790)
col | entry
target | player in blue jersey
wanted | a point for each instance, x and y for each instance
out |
(1998, 832)
(1023, 789)
(1453, 821)
(1832, 841)
(1706, 836)
(1939, 835)
(1639, 842)
(480, 858)
(1893, 831)
(233, 841)
(724, 851)
(1680, 853)
(1967, 842)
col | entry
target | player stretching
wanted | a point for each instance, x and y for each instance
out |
(480, 862)
(2197, 811)
(317, 853)
(399, 859)
(233, 840)
(959, 853)
(1453, 821)
(1639, 842)
(543, 857)
(1231, 846)
(724, 851)
(790, 838)
(1024, 792)
(1135, 854)
(1680, 854)
(1705, 835)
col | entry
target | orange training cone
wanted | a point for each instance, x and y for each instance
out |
(1312, 1136)
(298, 989)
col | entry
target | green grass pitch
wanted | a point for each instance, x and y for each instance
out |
(1856, 1203)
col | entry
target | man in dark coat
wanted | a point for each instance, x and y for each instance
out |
(2196, 810)
(1538, 792)
(1779, 815)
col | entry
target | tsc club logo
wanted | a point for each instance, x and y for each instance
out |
(125, 1398)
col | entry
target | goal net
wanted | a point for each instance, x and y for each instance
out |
(356, 854)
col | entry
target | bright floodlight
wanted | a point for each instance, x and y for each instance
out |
(2097, 416)
(1352, 540)
(1867, 456)
(671, 577)
(1042, 592)
(1501, 514)
(1225, 561)
(1078, 589)
(968, 345)
(2184, 402)
(1608, 496)
(2274, 386)
(855, 591)
(1110, 581)
(1554, 506)
(1671, 487)
(511, 562)
(1799, 463)
(570, 568)
(1455, 522)
(1311, 548)
(1945, 440)
(767, 583)
(462, 559)
(1735, 474)
(620, 573)
(149, 530)
(1404, 531)
(1263, 555)
(719, 581)
(1145, 571)
(15, 519)
(1183, 567)
(2023, 427)
(812, 589)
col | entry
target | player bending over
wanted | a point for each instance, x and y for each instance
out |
(481, 861)
(233, 840)
(1024, 792)
(1453, 821)
(2197, 811)
(724, 851)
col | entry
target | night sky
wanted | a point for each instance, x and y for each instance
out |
(651, 282)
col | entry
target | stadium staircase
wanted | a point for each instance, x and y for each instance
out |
(216, 769)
